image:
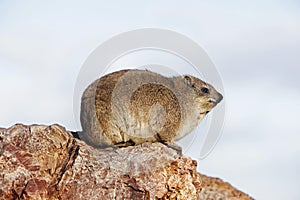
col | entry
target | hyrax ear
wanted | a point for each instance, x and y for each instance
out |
(188, 81)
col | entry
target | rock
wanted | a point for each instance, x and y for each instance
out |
(47, 162)
(215, 188)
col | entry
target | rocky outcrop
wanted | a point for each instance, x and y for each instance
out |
(47, 162)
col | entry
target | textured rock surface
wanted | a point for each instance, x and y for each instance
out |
(47, 162)
(215, 188)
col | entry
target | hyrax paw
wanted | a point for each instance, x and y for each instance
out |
(174, 146)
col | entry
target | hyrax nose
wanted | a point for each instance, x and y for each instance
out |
(216, 98)
(219, 98)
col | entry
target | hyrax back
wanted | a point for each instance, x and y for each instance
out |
(130, 107)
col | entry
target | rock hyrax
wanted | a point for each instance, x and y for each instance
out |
(131, 107)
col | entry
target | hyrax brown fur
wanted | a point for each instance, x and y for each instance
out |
(131, 107)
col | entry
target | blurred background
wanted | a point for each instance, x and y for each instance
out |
(255, 45)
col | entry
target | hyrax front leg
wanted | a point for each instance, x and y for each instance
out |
(171, 144)
(174, 146)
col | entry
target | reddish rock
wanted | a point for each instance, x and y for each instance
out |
(47, 162)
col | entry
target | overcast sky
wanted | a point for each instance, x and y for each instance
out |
(255, 45)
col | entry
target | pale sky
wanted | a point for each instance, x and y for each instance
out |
(254, 45)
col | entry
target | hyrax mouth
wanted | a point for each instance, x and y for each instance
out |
(211, 100)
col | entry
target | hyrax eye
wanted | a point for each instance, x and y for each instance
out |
(205, 90)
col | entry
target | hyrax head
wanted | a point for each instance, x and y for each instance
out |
(206, 96)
